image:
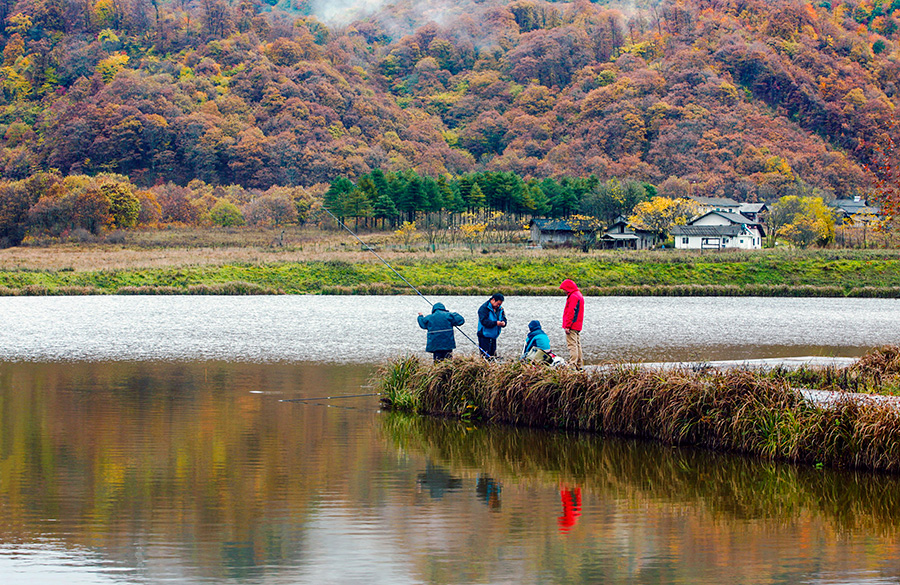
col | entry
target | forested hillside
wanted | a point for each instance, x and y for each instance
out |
(749, 99)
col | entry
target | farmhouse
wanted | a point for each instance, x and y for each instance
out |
(723, 204)
(718, 230)
(622, 236)
(754, 211)
(550, 231)
(855, 212)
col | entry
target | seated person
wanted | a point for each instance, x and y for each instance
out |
(537, 344)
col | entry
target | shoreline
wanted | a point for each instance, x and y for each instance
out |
(480, 276)
(845, 417)
(243, 287)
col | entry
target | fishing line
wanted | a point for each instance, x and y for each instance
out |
(385, 262)
(330, 397)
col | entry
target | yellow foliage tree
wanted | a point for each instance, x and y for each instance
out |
(803, 221)
(109, 67)
(586, 229)
(471, 229)
(661, 213)
(407, 232)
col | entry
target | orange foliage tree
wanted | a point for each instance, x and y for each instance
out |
(886, 170)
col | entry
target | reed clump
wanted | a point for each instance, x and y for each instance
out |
(877, 372)
(734, 410)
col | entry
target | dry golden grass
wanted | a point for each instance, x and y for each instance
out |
(176, 247)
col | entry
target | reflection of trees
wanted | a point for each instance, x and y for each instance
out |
(183, 451)
(735, 487)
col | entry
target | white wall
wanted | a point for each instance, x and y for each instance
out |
(744, 242)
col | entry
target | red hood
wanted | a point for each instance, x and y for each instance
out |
(569, 286)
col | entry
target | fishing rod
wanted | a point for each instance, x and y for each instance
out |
(408, 283)
(371, 249)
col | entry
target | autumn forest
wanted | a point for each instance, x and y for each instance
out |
(149, 111)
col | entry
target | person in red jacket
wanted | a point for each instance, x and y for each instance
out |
(573, 316)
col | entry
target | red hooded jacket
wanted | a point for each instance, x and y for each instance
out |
(573, 314)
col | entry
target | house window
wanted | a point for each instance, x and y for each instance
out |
(684, 241)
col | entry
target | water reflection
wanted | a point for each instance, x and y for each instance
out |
(571, 502)
(737, 488)
(437, 480)
(488, 490)
(145, 472)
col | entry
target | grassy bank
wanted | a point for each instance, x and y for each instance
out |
(738, 411)
(514, 271)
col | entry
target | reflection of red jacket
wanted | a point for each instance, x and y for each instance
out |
(573, 314)
(571, 501)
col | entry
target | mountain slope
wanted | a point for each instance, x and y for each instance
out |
(747, 99)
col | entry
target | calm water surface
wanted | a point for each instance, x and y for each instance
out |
(145, 440)
(361, 329)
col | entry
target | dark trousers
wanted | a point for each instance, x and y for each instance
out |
(442, 354)
(488, 346)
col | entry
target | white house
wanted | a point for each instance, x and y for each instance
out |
(717, 230)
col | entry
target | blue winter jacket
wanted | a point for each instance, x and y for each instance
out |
(440, 325)
(536, 338)
(487, 319)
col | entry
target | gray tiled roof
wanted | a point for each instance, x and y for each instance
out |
(736, 218)
(707, 230)
(552, 225)
(713, 201)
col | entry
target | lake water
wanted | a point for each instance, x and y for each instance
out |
(365, 329)
(146, 440)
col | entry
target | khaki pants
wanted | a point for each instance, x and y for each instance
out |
(573, 341)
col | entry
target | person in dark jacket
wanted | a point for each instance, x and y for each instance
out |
(491, 319)
(439, 324)
(536, 338)
(573, 316)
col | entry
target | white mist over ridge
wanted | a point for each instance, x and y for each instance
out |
(402, 17)
(344, 11)
(399, 14)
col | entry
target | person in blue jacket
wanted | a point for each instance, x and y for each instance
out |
(439, 324)
(536, 338)
(491, 319)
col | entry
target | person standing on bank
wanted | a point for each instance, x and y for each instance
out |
(491, 319)
(573, 316)
(439, 324)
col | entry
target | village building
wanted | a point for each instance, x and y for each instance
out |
(622, 236)
(551, 231)
(855, 212)
(725, 204)
(716, 230)
(753, 211)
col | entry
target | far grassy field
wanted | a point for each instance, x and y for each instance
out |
(228, 262)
